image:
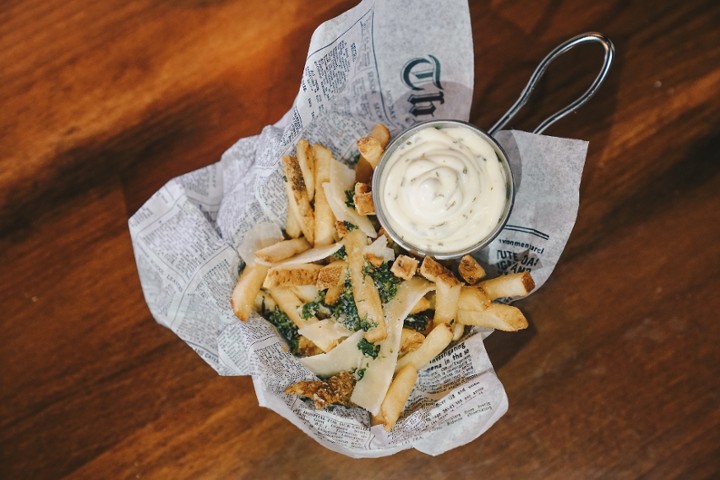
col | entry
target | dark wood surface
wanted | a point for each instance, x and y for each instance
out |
(103, 102)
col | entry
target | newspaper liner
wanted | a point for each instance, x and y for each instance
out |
(378, 62)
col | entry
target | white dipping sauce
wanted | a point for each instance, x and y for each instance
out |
(443, 190)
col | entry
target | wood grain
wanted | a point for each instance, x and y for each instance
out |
(104, 102)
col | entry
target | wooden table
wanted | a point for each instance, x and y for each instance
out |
(103, 102)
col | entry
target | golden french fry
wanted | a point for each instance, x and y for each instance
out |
(299, 200)
(280, 251)
(332, 295)
(291, 305)
(458, 331)
(397, 396)
(292, 224)
(367, 298)
(243, 296)
(292, 275)
(447, 292)
(473, 298)
(421, 306)
(363, 170)
(324, 217)
(497, 316)
(341, 180)
(410, 340)
(447, 295)
(306, 159)
(435, 342)
(306, 293)
(470, 270)
(510, 285)
(316, 185)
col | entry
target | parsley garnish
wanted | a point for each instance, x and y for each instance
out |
(287, 329)
(368, 349)
(385, 281)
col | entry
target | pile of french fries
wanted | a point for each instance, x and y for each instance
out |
(332, 248)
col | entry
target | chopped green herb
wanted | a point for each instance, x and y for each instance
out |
(350, 198)
(359, 373)
(287, 329)
(368, 349)
(345, 311)
(339, 255)
(349, 226)
(385, 281)
(310, 309)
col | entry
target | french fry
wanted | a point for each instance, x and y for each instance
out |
(292, 224)
(473, 298)
(510, 285)
(299, 200)
(497, 316)
(470, 270)
(458, 331)
(447, 294)
(292, 275)
(332, 295)
(291, 305)
(435, 342)
(324, 217)
(367, 298)
(342, 179)
(243, 296)
(421, 306)
(306, 160)
(282, 250)
(306, 293)
(410, 340)
(363, 170)
(397, 396)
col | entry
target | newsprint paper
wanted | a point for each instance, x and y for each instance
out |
(388, 61)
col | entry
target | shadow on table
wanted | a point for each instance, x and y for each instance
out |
(503, 346)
